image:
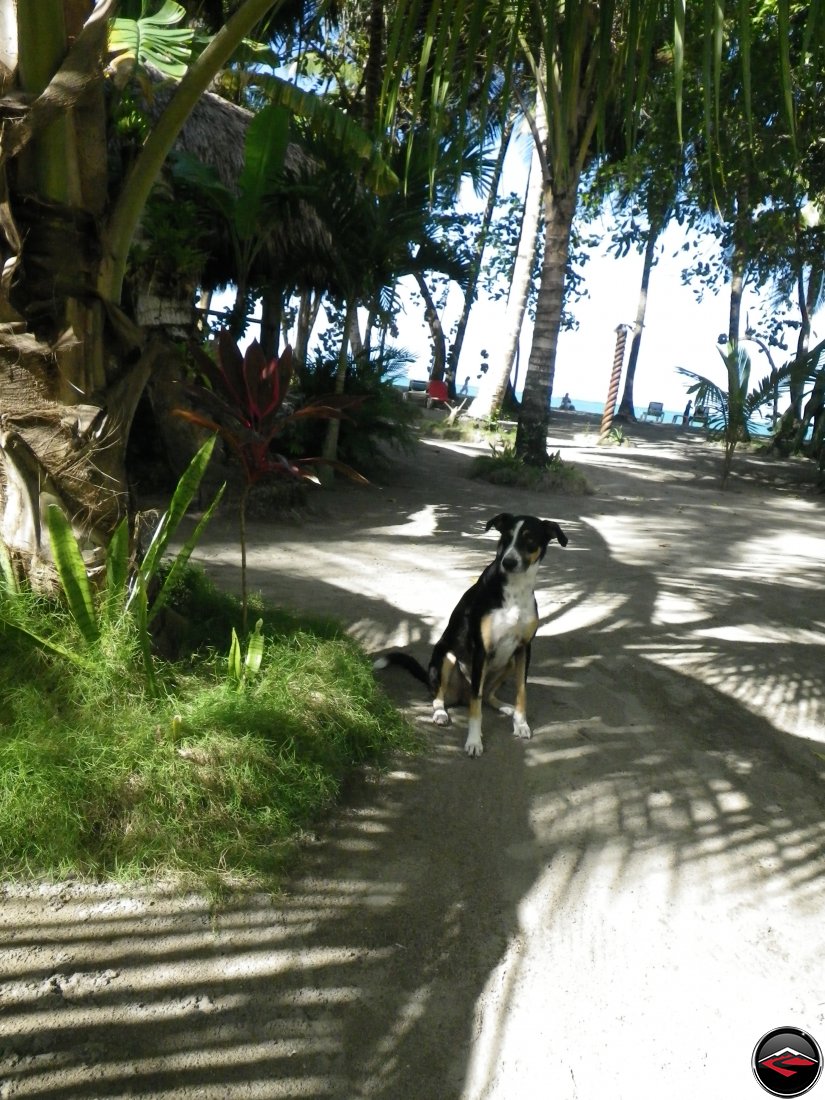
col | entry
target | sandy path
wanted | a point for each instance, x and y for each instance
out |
(619, 908)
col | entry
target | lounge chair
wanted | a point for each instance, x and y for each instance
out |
(655, 411)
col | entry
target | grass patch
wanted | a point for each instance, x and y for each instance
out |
(99, 780)
(504, 467)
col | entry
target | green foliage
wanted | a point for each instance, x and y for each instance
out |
(173, 246)
(154, 39)
(241, 668)
(378, 418)
(99, 778)
(732, 409)
(504, 466)
(125, 589)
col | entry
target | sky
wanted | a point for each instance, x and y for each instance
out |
(679, 331)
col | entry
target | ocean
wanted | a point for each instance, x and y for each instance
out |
(597, 408)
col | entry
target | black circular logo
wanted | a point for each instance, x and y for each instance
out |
(787, 1062)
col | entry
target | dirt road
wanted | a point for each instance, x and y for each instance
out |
(619, 908)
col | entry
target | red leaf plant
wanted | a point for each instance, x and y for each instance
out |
(243, 398)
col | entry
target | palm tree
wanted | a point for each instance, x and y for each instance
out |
(67, 349)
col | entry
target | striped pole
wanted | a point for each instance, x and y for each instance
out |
(615, 378)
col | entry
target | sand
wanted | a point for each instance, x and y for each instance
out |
(619, 908)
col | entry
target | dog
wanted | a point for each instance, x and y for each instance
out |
(490, 631)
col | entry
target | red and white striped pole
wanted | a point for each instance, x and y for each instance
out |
(615, 378)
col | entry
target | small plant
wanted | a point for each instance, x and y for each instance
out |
(127, 587)
(245, 398)
(730, 411)
(504, 466)
(240, 668)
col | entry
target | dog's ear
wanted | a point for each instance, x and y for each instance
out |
(553, 531)
(502, 522)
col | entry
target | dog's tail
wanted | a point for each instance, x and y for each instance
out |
(404, 660)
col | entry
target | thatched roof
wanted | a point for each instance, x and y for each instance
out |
(298, 244)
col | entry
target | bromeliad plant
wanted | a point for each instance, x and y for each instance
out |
(244, 398)
(129, 586)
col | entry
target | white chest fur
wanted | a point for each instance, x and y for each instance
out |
(510, 625)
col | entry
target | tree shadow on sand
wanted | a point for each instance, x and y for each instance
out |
(440, 912)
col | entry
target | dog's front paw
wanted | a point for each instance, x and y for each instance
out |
(520, 728)
(505, 709)
(441, 717)
(473, 745)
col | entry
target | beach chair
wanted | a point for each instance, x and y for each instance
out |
(699, 416)
(437, 394)
(655, 411)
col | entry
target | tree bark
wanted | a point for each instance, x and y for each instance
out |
(738, 264)
(471, 289)
(436, 330)
(493, 387)
(531, 436)
(626, 410)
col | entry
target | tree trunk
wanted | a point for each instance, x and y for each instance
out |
(738, 264)
(493, 387)
(471, 289)
(531, 436)
(626, 410)
(308, 308)
(329, 450)
(272, 309)
(436, 331)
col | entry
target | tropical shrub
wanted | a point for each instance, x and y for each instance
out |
(503, 466)
(245, 400)
(731, 410)
(379, 419)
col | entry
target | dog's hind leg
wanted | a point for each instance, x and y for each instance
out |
(490, 696)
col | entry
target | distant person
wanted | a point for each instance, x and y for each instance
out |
(465, 387)
(686, 413)
(566, 404)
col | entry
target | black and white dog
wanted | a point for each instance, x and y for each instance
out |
(490, 631)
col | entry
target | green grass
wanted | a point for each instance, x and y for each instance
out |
(504, 467)
(208, 781)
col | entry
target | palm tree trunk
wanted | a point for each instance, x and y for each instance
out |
(493, 388)
(738, 263)
(308, 309)
(626, 410)
(329, 450)
(531, 436)
(471, 288)
(491, 392)
(436, 329)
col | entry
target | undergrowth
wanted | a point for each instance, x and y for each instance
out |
(503, 466)
(211, 780)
